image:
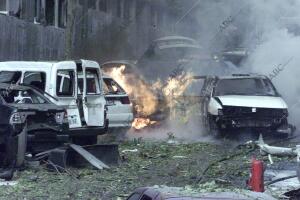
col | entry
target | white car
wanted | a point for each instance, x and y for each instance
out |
(119, 107)
(243, 101)
(76, 85)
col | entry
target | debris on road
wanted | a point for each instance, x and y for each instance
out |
(61, 158)
(281, 179)
(89, 157)
(165, 192)
(8, 183)
(279, 151)
(130, 150)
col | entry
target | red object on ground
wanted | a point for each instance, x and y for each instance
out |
(256, 181)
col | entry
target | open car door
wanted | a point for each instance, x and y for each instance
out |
(93, 100)
(65, 90)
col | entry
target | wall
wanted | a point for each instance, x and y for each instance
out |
(100, 30)
(105, 30)
(20, 40)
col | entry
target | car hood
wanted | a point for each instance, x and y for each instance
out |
(38, 107)
(252, 101)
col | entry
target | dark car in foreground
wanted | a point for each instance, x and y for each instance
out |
(28, 121)
(175, 193)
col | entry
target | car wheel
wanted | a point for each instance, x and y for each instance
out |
(22, 145)
(213, 128)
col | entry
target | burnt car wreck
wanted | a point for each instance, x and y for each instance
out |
(26, 117)
(243, 101)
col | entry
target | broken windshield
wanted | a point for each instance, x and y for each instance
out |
(22, 96)
(245, 86)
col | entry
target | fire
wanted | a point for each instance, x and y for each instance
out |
(145, 96)
(173, 91)
(177, 85)
(138, 91)
(140, 123)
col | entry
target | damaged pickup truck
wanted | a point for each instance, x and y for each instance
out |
(26, 116)
(243, 101)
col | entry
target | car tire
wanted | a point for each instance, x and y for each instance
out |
(213, 128)
(21, 147)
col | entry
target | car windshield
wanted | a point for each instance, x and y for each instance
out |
(245, 86)
(112, 87)
(22, 96)
(10, 77)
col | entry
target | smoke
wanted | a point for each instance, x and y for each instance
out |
(268, 29)
(277, 22)
(174, 131)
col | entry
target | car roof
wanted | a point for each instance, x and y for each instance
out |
(43, 64)
(175, 37)
(176, 42)
(242, 76)
(26, 64)
(124, 62)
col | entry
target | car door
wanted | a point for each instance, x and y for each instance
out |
(119, 108)
(66, 92)
(93, 101)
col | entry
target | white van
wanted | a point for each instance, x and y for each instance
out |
(77, 85)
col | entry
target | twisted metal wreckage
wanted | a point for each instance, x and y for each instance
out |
(28, 119)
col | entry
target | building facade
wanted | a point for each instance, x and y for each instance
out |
(101, 30)
(32, 30)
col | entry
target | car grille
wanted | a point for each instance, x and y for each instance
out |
(248, 111)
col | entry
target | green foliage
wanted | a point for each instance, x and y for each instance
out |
(155, 163)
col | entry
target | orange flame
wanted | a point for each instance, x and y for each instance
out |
(140, 123)
(144, 95)
(137, 89)
(175, 87)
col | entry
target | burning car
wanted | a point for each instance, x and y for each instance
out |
(27, 116)
(168, 56)
(119, 107)
(159, 77)
(142, 95)
(243, 101)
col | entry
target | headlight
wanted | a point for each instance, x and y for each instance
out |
(220, 112)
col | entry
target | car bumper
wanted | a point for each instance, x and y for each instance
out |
(51, 135)
(120, 120)
(236, 123)
(89, 131)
